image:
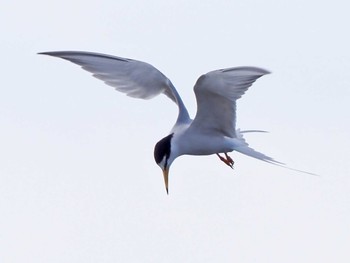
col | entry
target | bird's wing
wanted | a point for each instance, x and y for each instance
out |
(134, 78)
(216, 94)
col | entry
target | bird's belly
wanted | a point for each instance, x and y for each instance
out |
(206, 145)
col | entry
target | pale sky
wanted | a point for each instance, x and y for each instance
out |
(78, 182)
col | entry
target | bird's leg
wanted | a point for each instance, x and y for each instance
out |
(228, 161)
(228, 158)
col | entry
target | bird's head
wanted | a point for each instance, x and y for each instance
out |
(164, 156)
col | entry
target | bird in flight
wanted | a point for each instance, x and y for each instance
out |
(213, 129)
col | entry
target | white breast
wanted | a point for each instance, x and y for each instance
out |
(200, 144)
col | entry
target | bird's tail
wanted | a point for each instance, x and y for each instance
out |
(240, 145)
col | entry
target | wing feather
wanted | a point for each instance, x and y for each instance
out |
(136, 79)
(216, 94)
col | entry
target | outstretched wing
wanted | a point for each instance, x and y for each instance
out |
(134, 78)
(216, 94)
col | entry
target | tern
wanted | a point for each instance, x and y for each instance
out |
(213, 129)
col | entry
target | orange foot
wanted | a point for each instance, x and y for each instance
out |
(228, 160)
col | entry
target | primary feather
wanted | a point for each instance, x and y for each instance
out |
(136, 79)
(216, 94)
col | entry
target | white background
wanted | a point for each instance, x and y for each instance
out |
(78, 182)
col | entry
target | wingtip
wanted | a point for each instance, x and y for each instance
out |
(267, 72)
(264, 71)
(260, 71)
(248, 70)
(44, 53)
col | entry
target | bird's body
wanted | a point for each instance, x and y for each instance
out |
(211, 131)
(213, 144)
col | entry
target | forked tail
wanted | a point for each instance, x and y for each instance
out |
(240, 145)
